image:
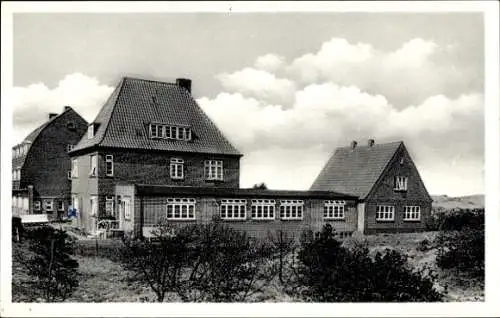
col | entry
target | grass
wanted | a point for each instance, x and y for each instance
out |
(103, 279)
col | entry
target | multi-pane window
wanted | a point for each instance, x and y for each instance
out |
(109, 165)
(169, 132)
(127, 212)
(93, 165)
(181, 209)
(176, 168)
(36, 205)
(291, 209)
(334, 210)
(109, 206)
(412, 213)
(69, 147)
(400, 183)
(74, 168)
(213, 170)
(263, 209)
(48, 205)
(384, 213)
(233, 209)
(60, 205)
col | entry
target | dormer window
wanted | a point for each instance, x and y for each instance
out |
(400, 183)
(90, 131)
(158, 131)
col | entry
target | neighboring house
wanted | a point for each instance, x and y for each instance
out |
(392, 195)
(148, 132)
(41, 165)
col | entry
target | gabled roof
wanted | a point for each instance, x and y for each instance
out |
(355, 171)
(123, 121)
(31, 138)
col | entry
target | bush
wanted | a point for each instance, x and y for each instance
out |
(462, 250)
(456, 220)
(330, 272)
(201, 262)
(52, 266)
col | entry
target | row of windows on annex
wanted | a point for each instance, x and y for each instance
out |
(16, 174)
(46, 205)
(213, 168)
(259, 209)
(111, 207)
(387, 212)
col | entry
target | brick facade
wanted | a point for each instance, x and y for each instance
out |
(384, 194)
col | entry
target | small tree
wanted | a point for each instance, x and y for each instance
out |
(52, 265)
(261, 185)
(161, 261)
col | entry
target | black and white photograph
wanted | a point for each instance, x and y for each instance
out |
(282, 156)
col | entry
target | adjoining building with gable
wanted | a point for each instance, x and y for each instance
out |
(392, 195)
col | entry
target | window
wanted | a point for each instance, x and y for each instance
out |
(176, 168)
(14, 175)
(93, 206)
(384, 213)
(69, 147)
(263, 209)
(60, 205)
(291, 209)
(233, 209)
(169, 132)
(69, 175)
(36, 205)
(127, 213)
(90, 131)
(109, 207)
(400, 183)
(213, 170)
(411, 213)
(74, 168)
(48, 205)
(18, 174)
(93, 165)
(181, 209)
(109, 165)
(334, 210)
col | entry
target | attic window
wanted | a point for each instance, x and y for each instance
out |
(90, 131)
(400, 183)
(158, 131)
(402, 160)
(71, 125)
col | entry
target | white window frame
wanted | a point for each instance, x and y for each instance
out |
(155, 130)
(385, 212)
(334, 210)
(214, 170)
(74, 168)
(188, 134)
(175, 206)
(109, 164)
(60, 205)
(93, 166)
(401, 183)
(291, 209)
(69, 147)
(127, 208)
(168, 132)
(48, 204)
(94, 206)
(266, 207)
(233, 209)
(70, 176)
(411, 213)
(110, 205)
(90, 131)
(176, 168)
(37, 205)
(19, 174)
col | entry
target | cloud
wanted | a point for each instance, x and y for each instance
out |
(260, 84)
(32, 104)
(269, 62)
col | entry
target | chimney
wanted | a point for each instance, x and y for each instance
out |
(354, 143)
(184, 83)
(66, 108)
(52, 115)
(371, 142)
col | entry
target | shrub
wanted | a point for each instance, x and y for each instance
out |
(331, 272)
(456, 220)
(462, 250)
(52, 266)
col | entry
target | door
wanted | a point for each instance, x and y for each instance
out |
(125, 211)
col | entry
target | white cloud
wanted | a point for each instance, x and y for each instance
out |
(32, 104)
(260, 84)
(269, 62)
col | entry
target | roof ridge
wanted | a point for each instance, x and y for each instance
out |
(147, 80)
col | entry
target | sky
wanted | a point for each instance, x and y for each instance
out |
(285, 88)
